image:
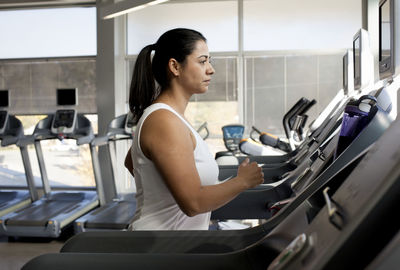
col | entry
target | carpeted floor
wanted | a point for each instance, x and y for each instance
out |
(14, 253)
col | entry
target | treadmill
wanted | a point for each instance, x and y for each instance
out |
(49, 215)
(117, 214)
(331, 230)
(11, 131)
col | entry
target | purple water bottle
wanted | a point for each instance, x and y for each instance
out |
(357, 115)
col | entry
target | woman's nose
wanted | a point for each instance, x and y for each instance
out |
(210, 69)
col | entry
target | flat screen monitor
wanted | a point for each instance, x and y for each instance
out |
(67, 97)
(345, 70)
(357, 61)
(4, 98)
(386, 38)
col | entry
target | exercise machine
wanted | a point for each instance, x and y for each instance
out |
(117, 214)
(53, 212)
(327, 231)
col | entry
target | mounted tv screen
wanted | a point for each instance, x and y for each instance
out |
(4, 98)
(385, 38)
(345, 77)
(357, 62)
(67, 97)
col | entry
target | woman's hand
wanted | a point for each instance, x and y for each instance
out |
(250, 173)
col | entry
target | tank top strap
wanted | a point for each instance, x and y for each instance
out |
(158, 106)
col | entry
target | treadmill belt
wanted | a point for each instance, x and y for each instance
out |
(116, 215)
(39, 215)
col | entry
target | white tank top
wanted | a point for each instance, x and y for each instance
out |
(156, 207)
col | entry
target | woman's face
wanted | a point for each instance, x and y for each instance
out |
(195, 74)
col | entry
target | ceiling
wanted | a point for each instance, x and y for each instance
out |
(16, 4)
(27, 4)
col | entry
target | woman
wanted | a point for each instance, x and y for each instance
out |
(175, 173)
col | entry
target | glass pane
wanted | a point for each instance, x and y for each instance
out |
(48, 33)
(298, 25)
(67, 164)
(265, 93)
(12, 172)
(275, 83)
(210, 18)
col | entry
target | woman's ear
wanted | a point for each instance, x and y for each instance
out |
(174, 67)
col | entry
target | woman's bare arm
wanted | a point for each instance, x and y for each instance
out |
(168, 142)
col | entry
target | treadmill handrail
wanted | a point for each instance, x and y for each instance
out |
(26, 140)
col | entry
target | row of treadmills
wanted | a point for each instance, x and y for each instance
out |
(328, 204)
(333, 207)
(25, 213)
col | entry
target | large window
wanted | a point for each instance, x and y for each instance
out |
(299, 25)
(216, 20)
(52, 32)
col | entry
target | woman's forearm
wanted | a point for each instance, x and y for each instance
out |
(213, 197)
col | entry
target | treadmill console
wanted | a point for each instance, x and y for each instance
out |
(232, 135)
(64, 121)
(3, 121)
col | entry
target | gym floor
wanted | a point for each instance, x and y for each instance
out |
(14, 253)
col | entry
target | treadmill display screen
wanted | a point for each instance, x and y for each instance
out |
(64, 118)
(4, 98)
(233, 132)
(66, 97)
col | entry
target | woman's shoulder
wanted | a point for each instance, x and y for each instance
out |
(163, 129)
(162, 120)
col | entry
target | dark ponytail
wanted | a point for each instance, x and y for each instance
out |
(177, 44)
(143, 89)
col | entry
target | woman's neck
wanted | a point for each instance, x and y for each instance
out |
(172, 98)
